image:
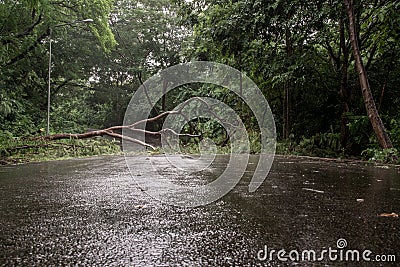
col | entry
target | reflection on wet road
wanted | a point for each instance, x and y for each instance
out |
(91, 212)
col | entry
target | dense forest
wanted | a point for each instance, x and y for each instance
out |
(329, 69)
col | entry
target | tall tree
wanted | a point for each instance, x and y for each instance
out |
(149, 39)
(25, 28)
(377, 124)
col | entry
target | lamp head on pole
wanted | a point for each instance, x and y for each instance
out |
(87, 20)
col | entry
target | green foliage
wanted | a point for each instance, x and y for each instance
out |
(320, 145)
(99, 11)
(223, 145)
(394, 131)
(148, 39)
(7, 105)
(255, 142)
(26, 27)
(25, 149)
(390, 155)
(257, 37)
(360, 129)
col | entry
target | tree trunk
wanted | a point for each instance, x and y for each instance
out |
(286, 89)
(377, 124)
(286, 122)
(164, 96)
(94, 134)
(345, 92)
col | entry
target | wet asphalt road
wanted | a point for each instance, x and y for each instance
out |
(91, 212)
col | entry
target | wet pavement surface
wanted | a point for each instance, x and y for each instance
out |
(91, 212)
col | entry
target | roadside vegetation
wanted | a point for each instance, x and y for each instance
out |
(16, 150)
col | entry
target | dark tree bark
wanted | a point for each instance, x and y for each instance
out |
(377, 124)
(286, 89)
(29, 49)
(345, 91)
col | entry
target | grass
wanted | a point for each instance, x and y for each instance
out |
(21, 150)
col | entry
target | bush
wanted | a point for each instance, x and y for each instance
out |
(394, 132)
(319, 145)
(390, 155)
(17, 149)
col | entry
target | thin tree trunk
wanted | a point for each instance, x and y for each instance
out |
(286, 88)
(377, 124)
(286, 122)
(164, 97)
(382, 95)
(345, 92)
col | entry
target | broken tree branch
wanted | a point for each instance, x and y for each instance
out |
(133, 127)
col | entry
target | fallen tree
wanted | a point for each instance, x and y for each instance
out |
(37, 146)
(111, 131)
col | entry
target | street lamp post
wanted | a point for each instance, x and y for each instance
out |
(49, 74)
